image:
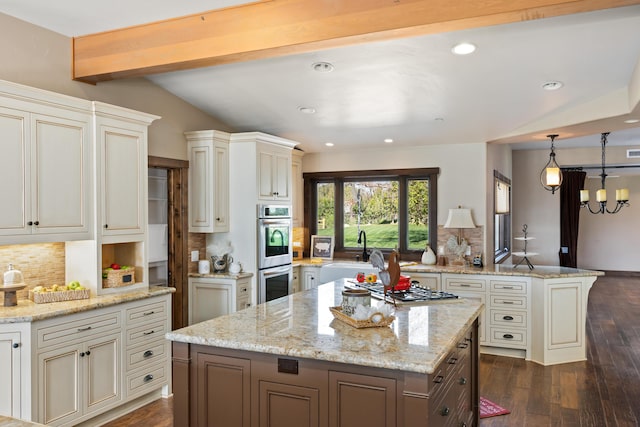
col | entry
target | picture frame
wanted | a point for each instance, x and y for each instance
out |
(322, 247)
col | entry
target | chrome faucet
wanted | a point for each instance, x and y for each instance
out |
(365, 254)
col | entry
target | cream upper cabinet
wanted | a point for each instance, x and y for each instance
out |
(123, 179)
(208, 181)
(45, 173)
(274, 173)
(297, 188)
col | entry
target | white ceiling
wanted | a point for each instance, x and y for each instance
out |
(413, 90)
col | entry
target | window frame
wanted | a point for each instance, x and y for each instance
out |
(311, 179)
(501, 233)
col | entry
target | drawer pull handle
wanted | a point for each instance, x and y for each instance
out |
(507, 287)
(507, 302)
(148, 353)
(445, 411)
(507, 317)
(465, 285)
(148, 313)
(463, 345)
(462, 381)
(438, 379)
(507, 336)
(149, 333)
(88, 328)
(452, 361)
(148, 378)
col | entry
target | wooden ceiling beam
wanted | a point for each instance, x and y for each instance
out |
(274, 28)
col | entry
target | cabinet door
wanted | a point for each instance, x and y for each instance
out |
(200, 191)
(223, 387)
(285, 405)
(10, 386)
(61, 164)
(59, 386)
(350, 393)
(221, 188)
(102, 372)
(297, 190)
(282, 176)
(14, 172)
(265, 175)
(123, 177)
(309, 279)
(209, 299)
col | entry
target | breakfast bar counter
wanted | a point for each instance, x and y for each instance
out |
(291, 356)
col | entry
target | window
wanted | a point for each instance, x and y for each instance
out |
(502, 217)
(395, 209)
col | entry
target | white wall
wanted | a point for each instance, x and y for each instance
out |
(462, 179)
(37, 57)
(605, 242)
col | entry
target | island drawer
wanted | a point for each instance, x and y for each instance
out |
(146, 333)
(54, 332)
(147, 313)
(508, 286)
(510, 337)
(462, 283)
(512, 301)
(508, 318)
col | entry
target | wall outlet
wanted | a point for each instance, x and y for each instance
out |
(195, 256)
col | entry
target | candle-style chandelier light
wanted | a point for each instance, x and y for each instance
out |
(622, 195)
(551, 175)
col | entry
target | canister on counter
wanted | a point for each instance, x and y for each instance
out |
(351, 298)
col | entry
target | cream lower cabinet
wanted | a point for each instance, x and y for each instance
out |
(296, 285)
(14, 387)
(213, 297)
(472, 287)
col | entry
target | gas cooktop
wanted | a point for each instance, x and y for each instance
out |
(413, 294)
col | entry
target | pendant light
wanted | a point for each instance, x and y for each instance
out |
(551, 175)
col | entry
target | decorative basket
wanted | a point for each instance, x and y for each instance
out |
(367, 323)
(57, 296)
(117, 278)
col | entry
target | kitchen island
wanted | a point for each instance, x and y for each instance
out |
(288, 362)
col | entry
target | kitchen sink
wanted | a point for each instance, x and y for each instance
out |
(344, 269)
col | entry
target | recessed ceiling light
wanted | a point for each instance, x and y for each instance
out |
(388, 140)
(630, 121)
(322, 67)
(463, 48)
(307, 110)
(329, 144)
(553, 85)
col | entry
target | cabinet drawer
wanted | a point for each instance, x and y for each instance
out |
(146, 333)
(147, 313)
(510, 286)
(146, 380)
(464, 284)
(508, 318)
(78, 330)
(154, 352)
(509, 301)
(425, 281)
(242, 291)
(511, 337)
(243, 303)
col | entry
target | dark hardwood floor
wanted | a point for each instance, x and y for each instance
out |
(603, 391)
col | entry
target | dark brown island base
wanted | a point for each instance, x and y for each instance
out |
(289, 362)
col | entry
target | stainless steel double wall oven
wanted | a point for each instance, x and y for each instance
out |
(275, 274)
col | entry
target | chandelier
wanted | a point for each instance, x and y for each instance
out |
(622, 195)
(551, 175)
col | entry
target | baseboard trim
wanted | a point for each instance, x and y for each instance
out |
(614, 273)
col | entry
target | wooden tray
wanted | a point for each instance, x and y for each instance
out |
(368, 323)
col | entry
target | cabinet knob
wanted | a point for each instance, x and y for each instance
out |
(148, 353)
(88, 352)
(148, 378)
(82, 354)
(462, 381)
(445, 411)
(106, 226)
(30, 223)
(36, 223)
(218, 219)
(15, 345)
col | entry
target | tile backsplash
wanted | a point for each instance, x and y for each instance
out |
(40, 264)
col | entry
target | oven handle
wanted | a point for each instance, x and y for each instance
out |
(277, 271)
(275, 222)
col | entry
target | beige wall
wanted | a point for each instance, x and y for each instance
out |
(605, 242)
(462, 180)
(41, 58)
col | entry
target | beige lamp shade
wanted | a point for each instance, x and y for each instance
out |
(459, 218)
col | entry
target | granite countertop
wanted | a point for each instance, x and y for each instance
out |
(14, 422)
(301, 325)
(28, 311)
(222, 275)
(539, 271)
